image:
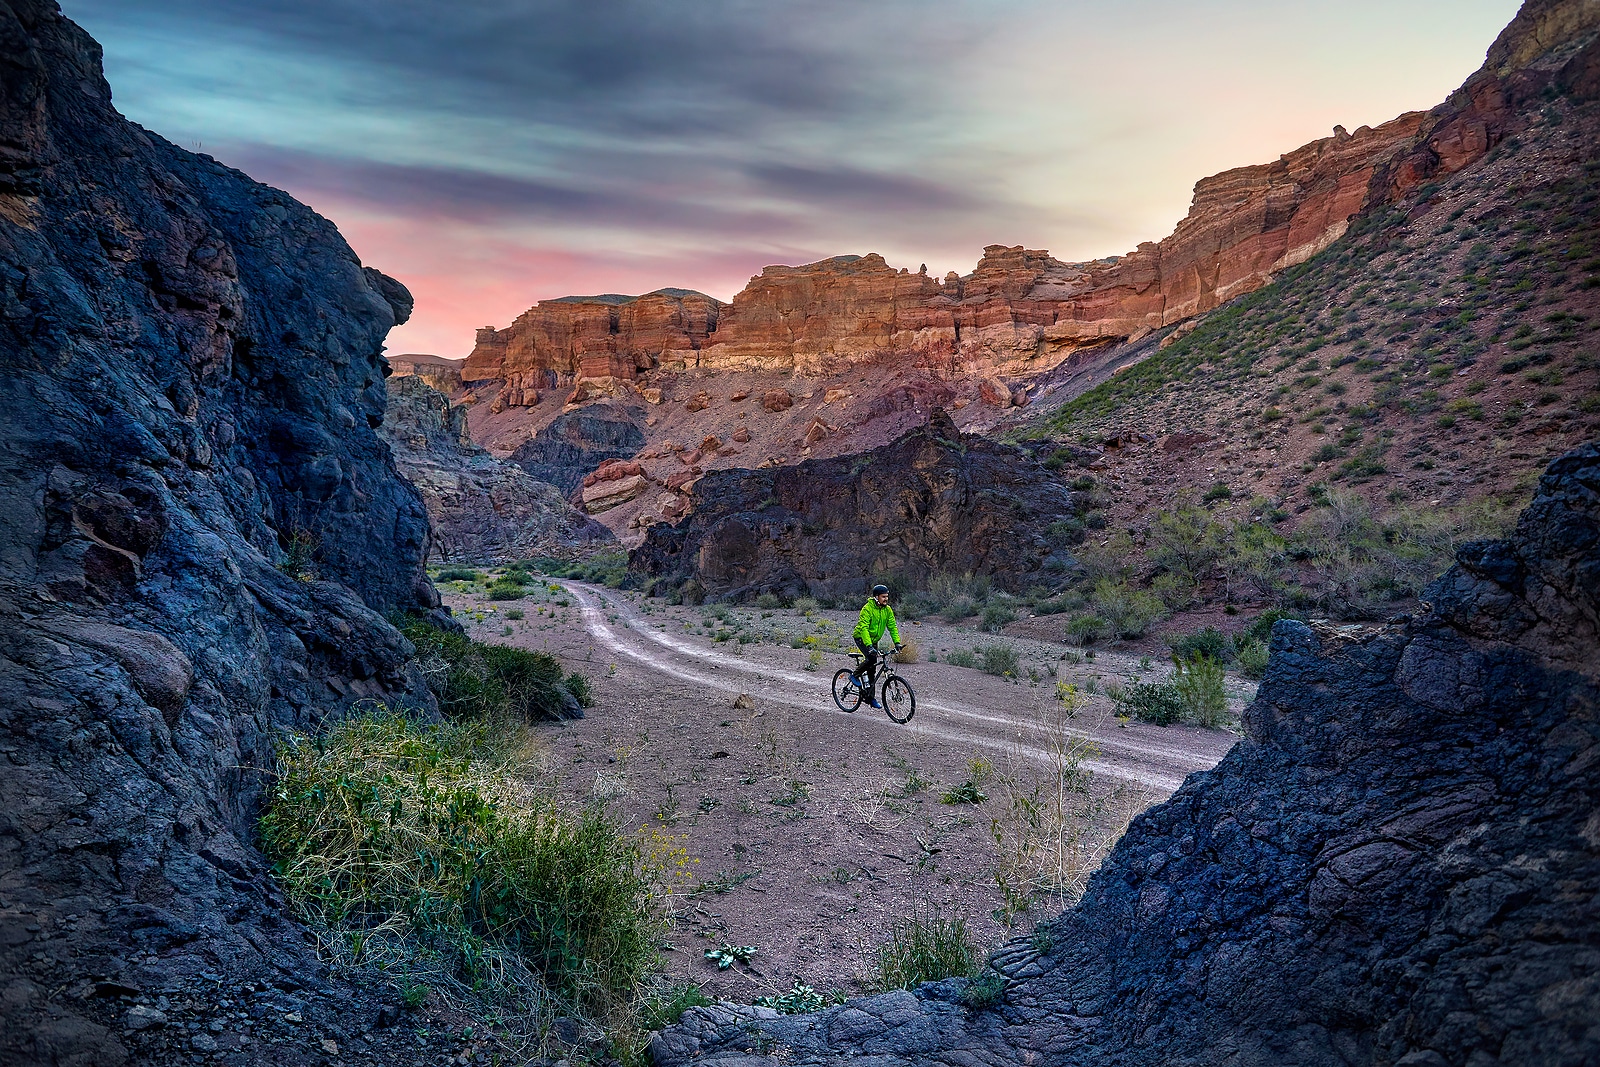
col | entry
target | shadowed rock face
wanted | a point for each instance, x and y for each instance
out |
(1400, 864)
(200, 533)
(935, 501)
(482, 510)
(578, 441)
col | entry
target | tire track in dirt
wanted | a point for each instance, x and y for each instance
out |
(1124, 752)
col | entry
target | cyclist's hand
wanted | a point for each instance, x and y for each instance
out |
(898, 646)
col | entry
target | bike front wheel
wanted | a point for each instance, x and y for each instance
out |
(899, 702)
(846, 691)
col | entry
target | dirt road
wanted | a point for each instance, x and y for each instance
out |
(1159, 757)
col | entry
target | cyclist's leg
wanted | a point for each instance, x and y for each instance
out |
(869, 665)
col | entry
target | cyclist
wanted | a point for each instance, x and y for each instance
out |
(876, 617)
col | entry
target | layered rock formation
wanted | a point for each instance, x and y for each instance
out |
(201, 533)
(437, 371)
(1399, 864)
(482, 510)
(1018, 314)
(558, 343)
(578, 441)
(935, 501)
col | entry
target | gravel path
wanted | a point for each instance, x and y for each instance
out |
(953, 704)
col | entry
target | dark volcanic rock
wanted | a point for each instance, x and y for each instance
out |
(482, 510)
(578, 441)
(1400, 864)
(934, 501)
(200, 533)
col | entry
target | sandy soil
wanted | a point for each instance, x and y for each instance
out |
(811, 832)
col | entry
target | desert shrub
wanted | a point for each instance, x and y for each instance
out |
(1085, 629)
(999, 659)
(1219, 491)
(925, 950)
(514, 614)
(1188, 542)
(769, 601)
(1064, 533)
(961, 657)
(507, 589)
(996, 616)
(384, 824)
(805, 605)
(1128, 612)
(458, 574)
(474, 680)
(609, 568)
(667, 1007)
(1205, 642)
(580, 689)
(1252, 658)
(959, 608)
(1198, 683)
(909, 652)
(1154, 702)
(1260, 628)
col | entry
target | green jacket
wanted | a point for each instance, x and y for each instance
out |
(874, 620)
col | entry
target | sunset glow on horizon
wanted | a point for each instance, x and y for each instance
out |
(491, 154)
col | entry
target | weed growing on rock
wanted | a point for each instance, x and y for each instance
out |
(925, 950)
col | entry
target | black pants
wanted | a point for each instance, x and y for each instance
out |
(870, 666)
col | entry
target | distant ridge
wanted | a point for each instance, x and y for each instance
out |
(620, 298)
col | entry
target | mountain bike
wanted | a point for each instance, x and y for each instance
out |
(899, 702)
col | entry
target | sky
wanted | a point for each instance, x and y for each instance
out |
(494, 153)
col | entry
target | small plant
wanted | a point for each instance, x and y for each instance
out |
(999, 660)
(723, 882)
(1198, 683)
(793, 795)
(965, 793)
(961, 657)
(413, 995)
(813, 659)
(458, 574)
(1153, 702)
(985, 991)
(666, 1008)
(514, 614)
(1085, 629)
(995, 617)
(506, 589)
(1252, 658)
(805, 605)
(1219, 491)
(925, 950)
(726, 955)
(768, 601)
(800, 1000)
(1206, 642)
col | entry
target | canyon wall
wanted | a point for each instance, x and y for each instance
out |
(1398, 864)
(1019, 313)
(933, 502)
(201, 533)
(482, 510)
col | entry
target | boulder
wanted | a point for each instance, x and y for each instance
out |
(741, 435)
(699, 402)
(605, 495)
(777, 400)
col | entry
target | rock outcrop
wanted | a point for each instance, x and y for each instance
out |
(440, 373)
(935, 501)
(579, 440)
(482, 510)
(1399, 864)
(201, 534)
(558, 343)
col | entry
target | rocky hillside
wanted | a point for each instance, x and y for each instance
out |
(871, 349)
(201, 533)
(1405, 873)
(933, 502)
(482, 510)
(1436, 356)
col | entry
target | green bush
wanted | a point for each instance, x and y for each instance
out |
(506, 589)
(961, 657)
(996, 616)
(385, 819)
(607, 568)
(474, 680)
(1128, 612)
(1198, 683)
(927, 950)
(768, 601)
(458, 574)
(1252, 658)
(999, 660)
(1206, 642)
(1085, 629)
(1155, 702)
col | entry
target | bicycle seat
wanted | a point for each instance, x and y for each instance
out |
(857, 655)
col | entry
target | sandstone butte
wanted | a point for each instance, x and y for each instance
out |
(1020, 312)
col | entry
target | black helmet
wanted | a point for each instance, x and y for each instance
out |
(878, 589)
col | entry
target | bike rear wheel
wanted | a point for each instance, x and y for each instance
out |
(899, 702)
(846, 692)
